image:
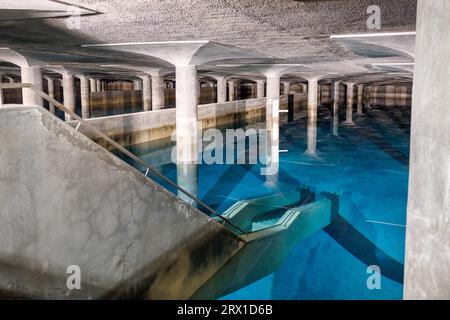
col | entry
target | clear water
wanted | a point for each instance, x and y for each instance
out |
(367, 165)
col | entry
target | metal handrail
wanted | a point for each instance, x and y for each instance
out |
(148, 168)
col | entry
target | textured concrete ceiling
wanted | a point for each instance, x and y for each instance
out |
(286, 30)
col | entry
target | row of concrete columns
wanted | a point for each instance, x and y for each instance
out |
(312, 109)
(97, 85)
(188, 126)
(187, 101)
(152, 89)
(187, 89)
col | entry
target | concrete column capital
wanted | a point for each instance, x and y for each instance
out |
(81, 76)
(144, 77)
(219, 77)
(315, 78)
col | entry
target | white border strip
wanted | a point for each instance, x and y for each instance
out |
(394, 64)
(386, 223)
(371, 35)
(143, 43)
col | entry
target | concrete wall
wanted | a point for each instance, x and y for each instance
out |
(115, 102)
(427, 268)
(130, 129)
(391, 95)
(67, 201)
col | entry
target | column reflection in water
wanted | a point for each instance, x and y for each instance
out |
(349, 110)
(272, 127)
(312, 133)
(273, 136)
(359, 109)
(187, 178)
(312, 117)
(335, 120)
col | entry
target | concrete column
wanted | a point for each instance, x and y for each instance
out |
(273, 93)
(272, 127)
(1, 92)
(368, 106)
(85, 97)
(359, 109)
(104, 86)
(304, 87)
(92, 85)
(336, 96)
(350, 99)
(137, 84)
(69, 93)
(238, 91)
(31, 75)
(427, 256)
(286, 88)
(98, 86)
(51, 93)
(11, 79)
(403, 95)
(221, 90)
(375, 95)
(213, 91)
(186, 114)
(312, 117)
(231, 90)
(389, 96)
(319, 94)
(146, 93)
(260, 88)
(253, 90)
(157, 92)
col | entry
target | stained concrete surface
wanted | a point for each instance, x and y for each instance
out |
(67, 201)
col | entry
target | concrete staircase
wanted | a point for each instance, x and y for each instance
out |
(66, 201)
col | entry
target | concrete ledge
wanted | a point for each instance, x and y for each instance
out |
(135, 128)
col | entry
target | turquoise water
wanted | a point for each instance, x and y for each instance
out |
(366, 165)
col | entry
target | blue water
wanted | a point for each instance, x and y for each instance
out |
(367, 165)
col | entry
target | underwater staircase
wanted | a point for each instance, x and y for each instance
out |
(272, 225)
(269, 215)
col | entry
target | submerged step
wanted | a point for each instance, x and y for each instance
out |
(267, 247)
